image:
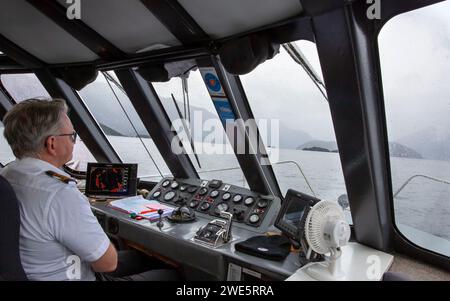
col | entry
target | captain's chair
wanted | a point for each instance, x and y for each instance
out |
(10, 266)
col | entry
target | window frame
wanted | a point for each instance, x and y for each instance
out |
(402, 244)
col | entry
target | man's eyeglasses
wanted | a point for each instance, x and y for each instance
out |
(73, 136)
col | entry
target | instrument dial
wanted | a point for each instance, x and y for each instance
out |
(174, 185)
(221, 207)
(263, 204)
(203, 191)
(157, 194)
(169, 196)
(226, 196)
(166, 183)
(249, 201)
(183, 188)
(214, 194)
(254, 218)
(205, 206)
(237, 198)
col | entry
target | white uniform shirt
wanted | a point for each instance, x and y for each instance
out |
(56, 224)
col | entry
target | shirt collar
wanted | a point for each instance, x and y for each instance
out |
(42, 165)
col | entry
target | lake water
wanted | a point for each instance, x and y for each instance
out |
(423, 204)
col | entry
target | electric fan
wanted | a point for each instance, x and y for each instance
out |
(326, 230)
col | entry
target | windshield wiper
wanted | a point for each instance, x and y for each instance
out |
(296, 54)
(187, 130)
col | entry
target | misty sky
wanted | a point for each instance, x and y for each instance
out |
(415, 59)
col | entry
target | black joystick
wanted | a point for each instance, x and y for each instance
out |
(160, 223)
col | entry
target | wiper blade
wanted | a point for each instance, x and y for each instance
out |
(296, 54)
(186, 129)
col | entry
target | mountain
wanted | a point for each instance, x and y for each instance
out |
(399, 150)
(395, 149)
(109, 131)
(432, 143)
(317, 149)
(290, 139)
(104, 106)
(327, 145)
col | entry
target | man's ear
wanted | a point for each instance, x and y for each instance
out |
(50, 145)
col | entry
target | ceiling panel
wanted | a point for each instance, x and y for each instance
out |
(31, 30)
(221, 18)
(127, 24)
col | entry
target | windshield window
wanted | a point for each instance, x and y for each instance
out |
(122, 126)
(25, 86)
(212, 148)
(415, 63)
(307, 157)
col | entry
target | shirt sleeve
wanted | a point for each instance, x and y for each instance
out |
(72, 223)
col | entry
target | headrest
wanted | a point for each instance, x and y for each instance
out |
(77, 77)
(243, 55)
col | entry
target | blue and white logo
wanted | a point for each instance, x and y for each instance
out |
(213, 82)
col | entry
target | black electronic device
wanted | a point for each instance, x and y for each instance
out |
(292, 215)
(111, 180)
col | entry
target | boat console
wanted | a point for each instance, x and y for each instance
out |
(204, 246)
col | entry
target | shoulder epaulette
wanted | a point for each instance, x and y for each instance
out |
(59, 177)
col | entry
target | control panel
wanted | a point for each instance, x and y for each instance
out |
(212, 197)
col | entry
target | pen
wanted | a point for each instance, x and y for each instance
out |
(147, 211)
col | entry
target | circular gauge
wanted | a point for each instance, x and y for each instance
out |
(183, 188)
(221, 207)
(169, 196)
(166, 183)
(249, 201)
(254, 218)
(263, 204)
(192, 189)
(157, 194)
(205, 206)
(174, 185)
(214, 194)
(237, 198)
(226, 196)
(193, 204)
(203, 191)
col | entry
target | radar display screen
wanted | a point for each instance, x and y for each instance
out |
(111, 180)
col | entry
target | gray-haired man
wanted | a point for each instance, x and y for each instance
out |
(60, 239)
